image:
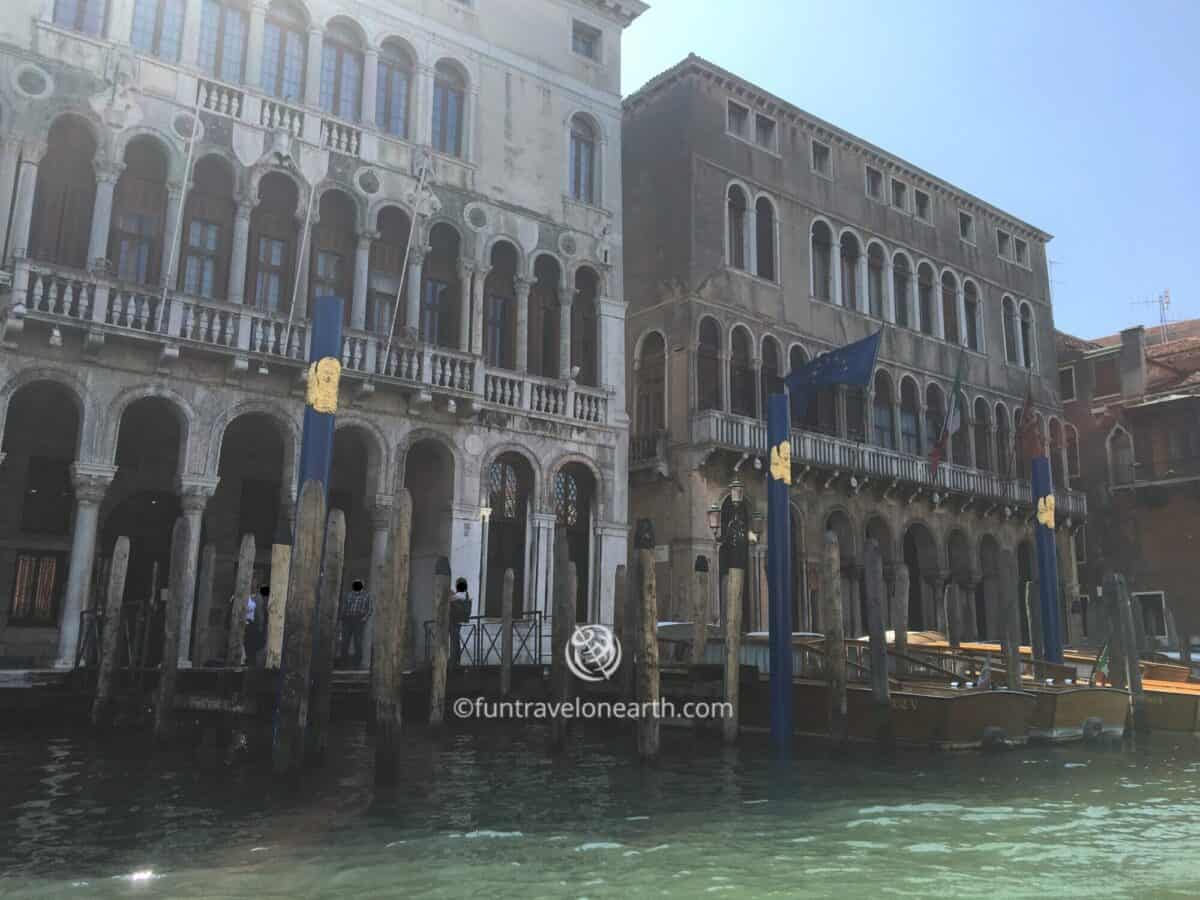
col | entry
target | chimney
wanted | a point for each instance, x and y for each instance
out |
(1133, 362)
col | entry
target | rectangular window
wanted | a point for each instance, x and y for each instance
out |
(391, 99)
(1152, 606)
(36, 588)
(922, 206)
(966, 226)
(874, 183)
(1106, 379)
(739, 120)
(134, 234)
(202, 259)
(341, 81)
(86, 16)
(158, 28)
(46, 506)
(585, 40)
(283, 62)
(270, 281)
(222, 41)
(899, 195)
(822, 159)
(764, 131)
(447, 118)
(1066, 384)
(1003, 243)
(1022, 252)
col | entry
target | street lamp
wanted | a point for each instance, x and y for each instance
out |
(736, 533)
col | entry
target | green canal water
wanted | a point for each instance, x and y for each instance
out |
(488, 813)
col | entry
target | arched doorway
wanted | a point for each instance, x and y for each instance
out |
(988, 603)
(509, 486)
(575, 511)
(350, 492)
(961, 598)
(920, 556)
(852, 611)
(41, 437)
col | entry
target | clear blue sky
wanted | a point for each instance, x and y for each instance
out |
(1082, 118)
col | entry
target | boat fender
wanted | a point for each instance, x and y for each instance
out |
(994, 738)
(1093, 728)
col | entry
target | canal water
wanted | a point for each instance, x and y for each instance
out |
(489, 813)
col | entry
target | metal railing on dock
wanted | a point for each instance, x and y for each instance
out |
(479, 641)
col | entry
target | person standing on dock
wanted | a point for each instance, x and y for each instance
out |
(356, 609)
(460, 612)
(256, 612)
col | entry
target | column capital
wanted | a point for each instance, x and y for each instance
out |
(466, 267)
(91, 480)
(522, 285)
(245, 209)
(381, 511)
(366, 238)
(108, 172)
(195, 492)
(33, 150)
(316, 30)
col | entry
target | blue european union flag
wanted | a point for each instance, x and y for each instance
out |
(853, 364)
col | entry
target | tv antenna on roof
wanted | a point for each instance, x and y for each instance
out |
(1163, 302)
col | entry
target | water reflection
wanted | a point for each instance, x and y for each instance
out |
(489, 810)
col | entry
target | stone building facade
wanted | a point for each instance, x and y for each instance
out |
(1132, 439)
(179, 177)
(758, 236)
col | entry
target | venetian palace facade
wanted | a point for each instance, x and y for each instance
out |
(156, 286)
(758, 236)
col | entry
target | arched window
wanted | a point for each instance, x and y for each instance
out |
(583, 160)
(440, 288)
(650, 409)
(135, 242)
(1027, 335)
(584, 325)
(875, 276)
(1003, 442)
(449, 102)
(207, 231)
(158, 28)
(883, 425)
(741, 374)
(499, 307)
(393, 89)
(856, 413)
(738, 224)
(850, 256)
(544, 318)
(1120, 457)
(341, 72)
(285, 45)
(910, 418)
(86, 16)
(935, 415)
(771, 377)
(387, 255)
(925, 298)
(971, 305)
(708, 365)
(983, 436)
(950, 308)
(764, 241)
(822, 261)
(65, 196)
(960, 440)
(223, 30)
(566, 499)
(505, 494)
(273, 244)
(1010, 331)
(902, 289)
(333, 247)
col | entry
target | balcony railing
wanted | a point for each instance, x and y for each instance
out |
(713, 427)
(101, 305)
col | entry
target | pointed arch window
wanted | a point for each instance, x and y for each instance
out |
(1010, 330)
(821, 246)
(1027, 335)
(738, 224)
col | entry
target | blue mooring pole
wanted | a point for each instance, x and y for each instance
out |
(779, 568)
(1047, 558)
(324, 372)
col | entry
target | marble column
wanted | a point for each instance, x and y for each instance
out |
(539, 582)
(465, 269)
(939, 313)
(521, 286)
(362, 279)
(370, 85)
(412, 298)
(190, 51)
(914, 305)
(466, 550)
(312, 74)
(889, 290)
(22, 220)
(564, 333)
(239, 251)
(171, 236)
(835, 259)
(91, 481)
(960, 303)
(254, 43)
(723, 369)
(481, 274)
(107, 175)
(194, 494)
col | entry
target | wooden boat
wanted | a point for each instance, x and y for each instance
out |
(1072, 712)
(1172, 705)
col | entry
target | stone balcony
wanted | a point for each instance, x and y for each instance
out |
(103, 309)
(825, 459)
